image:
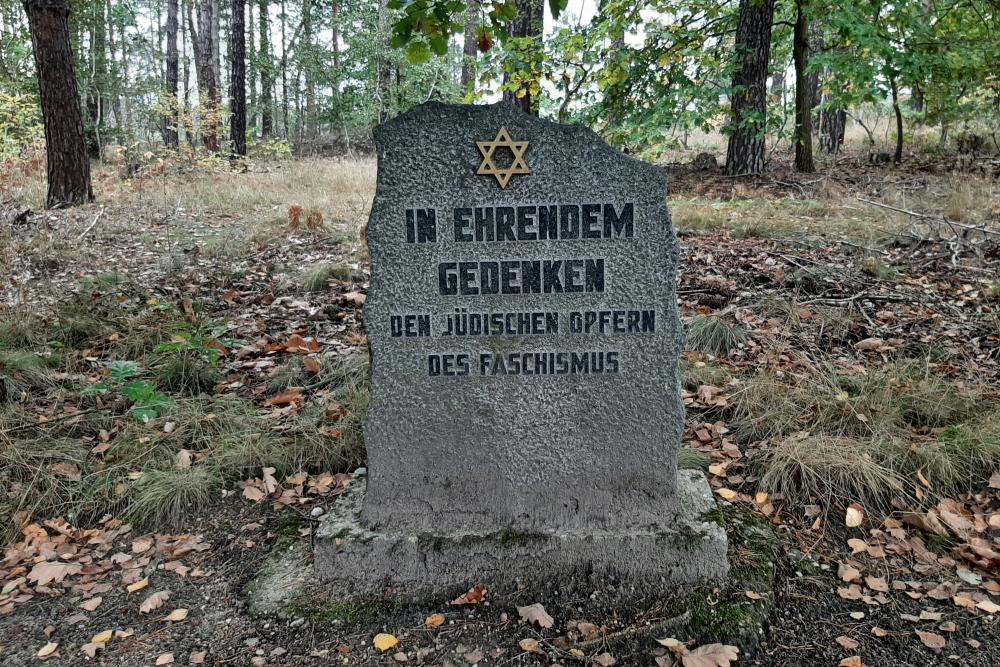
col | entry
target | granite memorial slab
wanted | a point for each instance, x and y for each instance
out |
(525, 413)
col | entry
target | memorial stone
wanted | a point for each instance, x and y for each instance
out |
(525, 412)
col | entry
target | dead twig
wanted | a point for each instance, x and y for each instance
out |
(923, 216)
(641, 631)
(97, 218)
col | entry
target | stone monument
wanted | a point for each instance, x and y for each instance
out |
(525, 412)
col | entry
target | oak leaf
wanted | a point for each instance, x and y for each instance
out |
(529, 645)
(434, 621)
(176, 616)
(931, 639)
(535, 613)
(154, 601)
(384, 641)
(47, 650)
(711, 655)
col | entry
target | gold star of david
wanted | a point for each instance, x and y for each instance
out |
(518, 166)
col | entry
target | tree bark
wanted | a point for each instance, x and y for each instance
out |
(470, 49)
(208, 84)
(308, 65)
(898, 156)
(238, 80)
(529, 23)
(65, 145)
(803, 92)
(171, 112)
(383, 73)
(745, 153)
(266, 72)
(833, 124)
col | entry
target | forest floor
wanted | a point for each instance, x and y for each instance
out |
(182, 383)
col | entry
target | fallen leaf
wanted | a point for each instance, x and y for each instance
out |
(869, 344)
(91, 649)
(102, 637)
(855, 516)
(879, 632)
(605, 660)
(253, 493)
(535, 613)
(931, 639)
(154, 601)
(754, 595)
(857, 615)
(434, 621)
(383, 642)
(474, 595)
(198, 657)
(142, 545)
(877, 584)
(710, 655)
(848, 643)
(45, 573)
(847, 572)
(92, 603)
(988, 606)
(995, 480)
(176, 616)
(853, 661)
(287, 397)
(138, 586)
(726, 494)
(182, 459)
(47, 650)
(165, 659)
(529, 645)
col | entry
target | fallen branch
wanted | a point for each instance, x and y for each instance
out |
(924, 216)
(97, 219)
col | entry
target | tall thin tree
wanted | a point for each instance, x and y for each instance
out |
(745, 153)
(238, 80)
(266, 71)
(803, 91)
(65, 146)
(170, 116)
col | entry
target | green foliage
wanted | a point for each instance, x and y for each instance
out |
(20, 124)
(147, 402)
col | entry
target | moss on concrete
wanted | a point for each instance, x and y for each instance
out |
(318, 607)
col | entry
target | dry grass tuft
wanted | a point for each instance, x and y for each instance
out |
(164, 497)
(829, 468)
(319, 277)
(712, 334)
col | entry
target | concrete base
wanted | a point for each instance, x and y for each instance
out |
(356, 562)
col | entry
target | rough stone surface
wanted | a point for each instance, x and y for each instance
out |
(360, 563)
(518, 452)
(549, 450)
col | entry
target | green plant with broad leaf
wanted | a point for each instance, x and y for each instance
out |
(147, 402)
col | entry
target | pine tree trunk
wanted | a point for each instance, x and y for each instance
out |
(307, 62)
(266, 72)
(383, 72)
(65, 146)
(251, 65)
(833, 124)
(238, 80)
(284, 70)
(208, 85)
(745, 153)
(529, 23)
(172, 74)
(470, 49)
(803, 92)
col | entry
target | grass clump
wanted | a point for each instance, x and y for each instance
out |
(962, 456)
(712, 334)
(19, 329)
(187, 372)
(698, 373)
(319, 277)
(823, 467)
(163, 497)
